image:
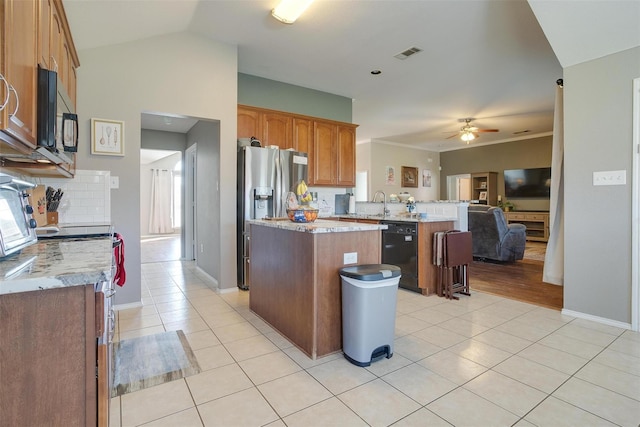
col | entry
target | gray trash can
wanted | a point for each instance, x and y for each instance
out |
(369, 295)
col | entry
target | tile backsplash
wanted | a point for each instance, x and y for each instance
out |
(87, 197)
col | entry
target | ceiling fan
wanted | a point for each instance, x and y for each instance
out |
(468, 133)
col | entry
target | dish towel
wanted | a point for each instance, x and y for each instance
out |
(118, 253)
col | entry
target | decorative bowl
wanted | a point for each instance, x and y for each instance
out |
(302, 215)
(404, 197)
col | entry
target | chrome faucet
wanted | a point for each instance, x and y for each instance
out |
(384, 201)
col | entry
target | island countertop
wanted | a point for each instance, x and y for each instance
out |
(50, 264)
(318, 226)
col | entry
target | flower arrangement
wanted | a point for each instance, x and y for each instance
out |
(411, 204)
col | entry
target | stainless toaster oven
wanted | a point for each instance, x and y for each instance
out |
(17, 226)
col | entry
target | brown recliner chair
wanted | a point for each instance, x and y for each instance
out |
(494, 239)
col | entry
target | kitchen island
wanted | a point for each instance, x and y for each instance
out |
(54, 355)
(295, 283)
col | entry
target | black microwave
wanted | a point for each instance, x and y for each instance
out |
(57, 123)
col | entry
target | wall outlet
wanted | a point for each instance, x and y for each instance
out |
(351, 258)
(114, 182)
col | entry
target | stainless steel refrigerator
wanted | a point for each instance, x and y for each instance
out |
(265, 176)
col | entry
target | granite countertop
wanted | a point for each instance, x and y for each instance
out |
(50, 264)
(397, 218)
(318, 226)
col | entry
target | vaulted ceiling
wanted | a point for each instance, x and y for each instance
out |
(485, 59)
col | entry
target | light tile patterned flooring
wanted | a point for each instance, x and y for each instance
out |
(480, 361)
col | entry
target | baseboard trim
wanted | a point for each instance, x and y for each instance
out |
(597, 319)
(118, 307)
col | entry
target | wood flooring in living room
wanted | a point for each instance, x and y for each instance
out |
(521, 280)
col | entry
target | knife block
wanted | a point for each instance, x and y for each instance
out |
(52, 218)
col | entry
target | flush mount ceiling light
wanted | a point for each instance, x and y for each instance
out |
(290, 10)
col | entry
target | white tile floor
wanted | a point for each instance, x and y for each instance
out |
(480, 361)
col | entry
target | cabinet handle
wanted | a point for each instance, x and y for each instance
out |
(6, 98)
(12, 89)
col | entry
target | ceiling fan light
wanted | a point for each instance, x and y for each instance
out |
(290, 10)
(467, 136)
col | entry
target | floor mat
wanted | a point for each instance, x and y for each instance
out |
(151, 360)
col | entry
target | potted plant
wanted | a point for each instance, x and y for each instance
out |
(506, 205)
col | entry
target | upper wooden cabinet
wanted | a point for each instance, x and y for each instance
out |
(18, 119)
(33, 33)
(325, 154)
(330, 145)
(303, 140)
(277, 129)
(346, 156)
(249, 122)
(57, 51)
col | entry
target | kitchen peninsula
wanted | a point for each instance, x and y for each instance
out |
(295, 282)
(54, 355)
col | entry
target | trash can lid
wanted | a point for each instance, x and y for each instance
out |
(371, 272)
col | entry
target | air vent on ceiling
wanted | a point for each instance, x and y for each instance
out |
(407, 53)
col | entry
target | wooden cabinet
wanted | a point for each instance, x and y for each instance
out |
(277, 129)
(18, 120)
(303, 139)
(249, 122)
(484, 187)
(48, 357)
(34, 33)
(330, 145)
(346, 156)
(537, 223)
(324, 154)
(334, 155)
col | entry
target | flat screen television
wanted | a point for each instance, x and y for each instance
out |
(532, 183)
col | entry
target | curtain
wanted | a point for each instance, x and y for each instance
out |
(553, 271)
(161, 191)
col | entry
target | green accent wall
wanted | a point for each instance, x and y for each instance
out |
(260, 92)
(527, 153)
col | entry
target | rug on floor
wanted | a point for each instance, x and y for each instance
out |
(151, 360)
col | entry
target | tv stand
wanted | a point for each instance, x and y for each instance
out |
(537, 223)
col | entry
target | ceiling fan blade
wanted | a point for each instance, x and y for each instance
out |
(452, 136)
(488, 130)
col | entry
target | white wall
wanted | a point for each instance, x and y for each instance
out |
(121, 81)
(383, 154)
(598, 137)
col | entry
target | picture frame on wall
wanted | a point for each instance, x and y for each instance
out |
(409, 176)
(107, 137)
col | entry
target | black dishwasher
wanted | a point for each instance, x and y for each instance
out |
(400, 247)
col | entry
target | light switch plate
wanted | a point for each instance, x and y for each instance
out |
(114, 183)
(351, 258)
(610, 177)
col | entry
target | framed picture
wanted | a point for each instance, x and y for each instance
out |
(426, 178)
(483, 195)
(107, 137)
(409, 176)
(390, 174)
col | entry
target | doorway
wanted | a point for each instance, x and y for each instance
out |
(160, 205)
(459, 187)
